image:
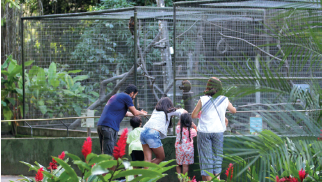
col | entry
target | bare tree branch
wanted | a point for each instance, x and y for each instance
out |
(104, 98)
(252, 45)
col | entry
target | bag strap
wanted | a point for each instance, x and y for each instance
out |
(215, 102)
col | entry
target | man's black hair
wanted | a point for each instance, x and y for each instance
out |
(135, 121)
(131, 88)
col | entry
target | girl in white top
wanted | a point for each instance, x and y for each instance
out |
(156, 129)
(211, 127)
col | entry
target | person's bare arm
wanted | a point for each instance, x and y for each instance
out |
(196, 110)
(231, 108)
(136, 112)
(128, 114)
(226, 121)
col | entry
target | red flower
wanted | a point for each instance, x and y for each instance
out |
(39, 176)
(62, 155)
(230, 171)
(286, 179)
(193, 179)
(119, 150)
(52, 165)
(302, 174)
(87, 147)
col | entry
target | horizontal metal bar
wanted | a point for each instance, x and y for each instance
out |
(52, 119)
(250, 111)
(249, 78)
(202, 2)
(79, 14)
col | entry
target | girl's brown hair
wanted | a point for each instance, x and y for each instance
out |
(213, 87)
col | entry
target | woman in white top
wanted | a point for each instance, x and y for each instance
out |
(156, 129)
(211, 127)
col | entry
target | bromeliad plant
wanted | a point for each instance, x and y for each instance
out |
(98, 167)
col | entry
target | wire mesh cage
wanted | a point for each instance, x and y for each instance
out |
(248, 43)
(80, 58)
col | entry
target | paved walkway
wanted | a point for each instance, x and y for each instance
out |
(7, 178)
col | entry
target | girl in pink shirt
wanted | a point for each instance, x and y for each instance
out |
(184, 143)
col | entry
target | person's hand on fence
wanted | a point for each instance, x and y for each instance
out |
(143, 112)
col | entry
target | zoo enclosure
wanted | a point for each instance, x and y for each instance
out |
(92, 51)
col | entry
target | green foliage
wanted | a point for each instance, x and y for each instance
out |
(55, 92)
(98, 168)
(11, 94)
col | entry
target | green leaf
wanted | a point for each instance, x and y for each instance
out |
(80, 78)
(143, 172)
(74, 157)
(99, 158)
(94, 93)
(74, 71)
(12, 66)
(70, 171)
(164, 163)
(12, 101)
(31, 167)
(4, 72)
(43, 109)
(82, 164)
(41, 77)
(98, 170)
(6, 63)
(52, 71)
(7, 113)
(107, 164)
(3, 103)
(144, 164)
(90, 156)
(33, 71)
(19, 91)
(77, 109)
(15, 71)
(54, 82)
(28, 63)
(69, 81)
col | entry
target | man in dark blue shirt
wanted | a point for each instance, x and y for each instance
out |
(114, 111)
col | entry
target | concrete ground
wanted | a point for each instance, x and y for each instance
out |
(8, 178)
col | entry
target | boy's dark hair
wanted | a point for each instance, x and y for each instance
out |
(135, 121)
(165, 105)
(131, 88)
(185, 121)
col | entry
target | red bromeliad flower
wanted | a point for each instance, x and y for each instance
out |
(193, 179)
(302, 174)
(87, 147)
(286, 179)
(230, 171)
(53, 165)
(119, 149)
(62, 155)
(39, 176)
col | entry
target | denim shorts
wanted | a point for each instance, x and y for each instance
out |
(151, 137)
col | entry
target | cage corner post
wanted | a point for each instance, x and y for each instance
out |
(135, 52)
(174, 61)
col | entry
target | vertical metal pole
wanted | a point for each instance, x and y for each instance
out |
(135, 51)
(23, 70)
(89, 132)
(174, 62)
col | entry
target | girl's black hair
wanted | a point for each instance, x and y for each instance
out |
(185, 121)
(135, 121)
(165, 105)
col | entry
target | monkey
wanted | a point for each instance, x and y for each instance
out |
(131, 25)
